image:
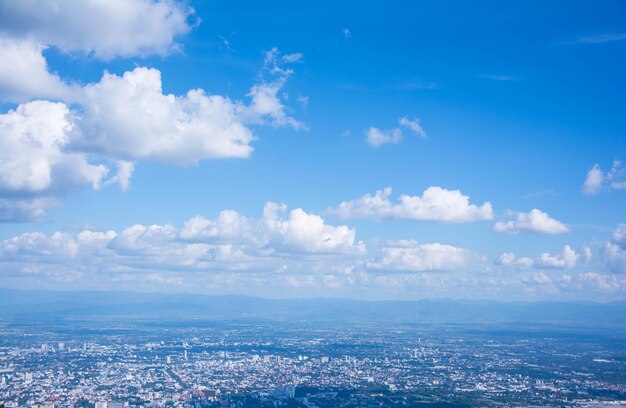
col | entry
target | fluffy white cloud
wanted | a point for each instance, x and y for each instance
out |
(615, 250)
(31, 246)
(130, 118)
(121, 120)
(34, 164)
(566, 260)
(412, 256)
(27, 76)
(279, 242)
(103, 28)
(32, 139)
(295, 231)
(594, 181)
(302, 232)
(597, 180)
(435, 204)
(534, 221)
(509, 259)
(376, 137)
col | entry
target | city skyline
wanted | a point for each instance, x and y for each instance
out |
(400, 151)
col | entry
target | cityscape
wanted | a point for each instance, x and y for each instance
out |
(141, 361)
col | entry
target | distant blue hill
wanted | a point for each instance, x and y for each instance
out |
(35, 304)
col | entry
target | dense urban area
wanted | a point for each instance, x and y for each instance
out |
(117, 363)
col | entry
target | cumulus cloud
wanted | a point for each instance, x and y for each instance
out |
(119, 121)
(614, 253)
(34, 165)
(99, 28)
(597, 181)
(130, 118)
(566, 260)
(535, 221)
(279, 242)
(295, 231)
(412, 256)
(27, 75)
(32, 139)
(435, 204)
(376, 137)
(510, 259)
(103, 28)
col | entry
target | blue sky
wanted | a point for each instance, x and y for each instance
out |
(501, 125)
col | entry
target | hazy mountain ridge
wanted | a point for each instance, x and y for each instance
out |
(16, 304)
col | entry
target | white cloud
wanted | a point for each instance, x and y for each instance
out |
(534, 221)
(295, 231)
(31, 246)
(124, 174)
(228, 227)
(414, 126)
(509, 259)
(302, 232)
(594, 181)
(412, 256)
(435, 204)
(27, 75)
(122, 120)
(614, 253)
(280, 243)
(103, 28)
(266, 106)
(597, 181)
(129, 118)
(376, 137)
(25, 209)
(119, 120)
(566, 260)
(32, 158)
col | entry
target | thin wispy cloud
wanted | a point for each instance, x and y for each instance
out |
(503, 78)
(601, 39)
